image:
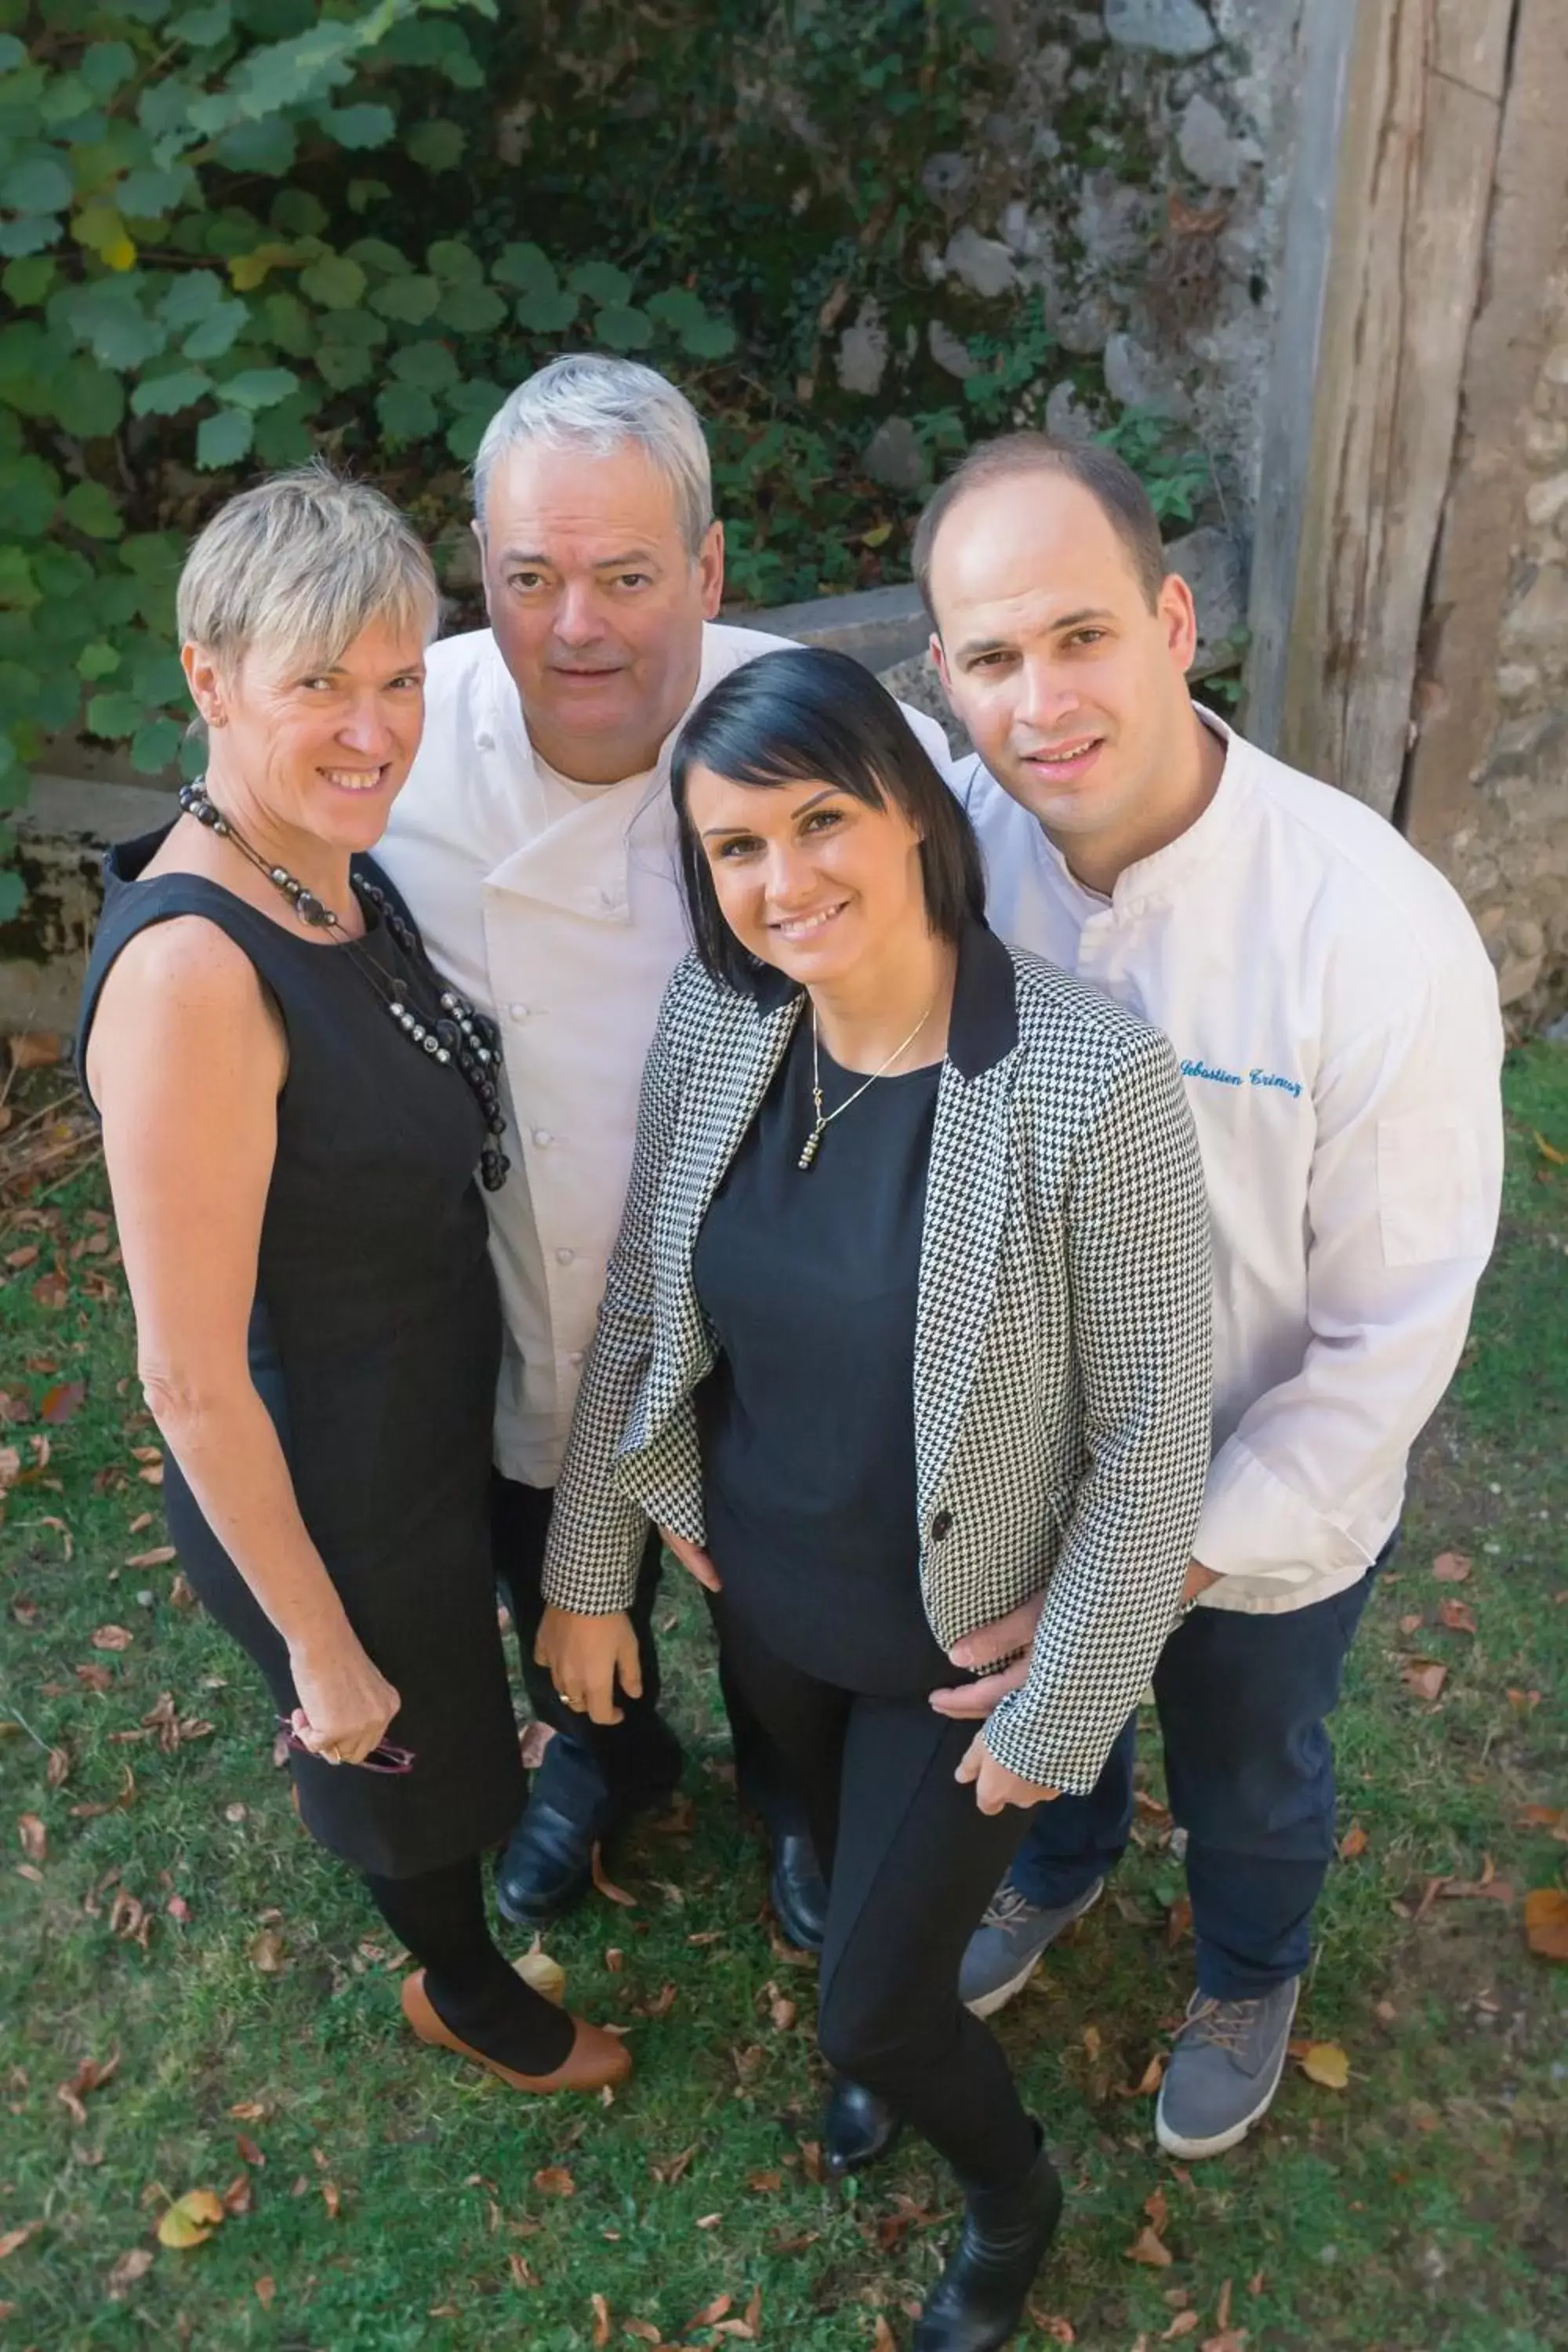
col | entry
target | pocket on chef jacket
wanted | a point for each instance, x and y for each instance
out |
(1430, 1197)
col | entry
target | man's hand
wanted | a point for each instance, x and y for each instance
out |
(973, 1702)
(583, 1655)
(993, 1785)
(693, 1560)
(1015, 1631)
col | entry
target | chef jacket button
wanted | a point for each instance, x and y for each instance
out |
(485, 742)
(542, 1136)
(941, 1526)
(575, 1357)
(564, 1256)
(518, 1012)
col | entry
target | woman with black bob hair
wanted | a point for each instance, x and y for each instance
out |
(908, 1319)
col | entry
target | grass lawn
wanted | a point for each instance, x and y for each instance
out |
(165, 1920)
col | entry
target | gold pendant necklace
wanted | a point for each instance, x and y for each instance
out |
(826, 1118)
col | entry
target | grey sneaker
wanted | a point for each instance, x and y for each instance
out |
(1005, 1949)
(1224, 2069)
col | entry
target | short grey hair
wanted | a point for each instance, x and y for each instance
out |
(589, 401)
(301, 563)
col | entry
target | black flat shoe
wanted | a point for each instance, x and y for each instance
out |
(979, 2299)
(547, 1868)
(857, 2130)
(798, 1892)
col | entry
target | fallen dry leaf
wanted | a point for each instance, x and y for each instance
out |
(1456, 1615)
(1543, 1817)
(131, 2265)
(266, 2288)
(1325, 2063)
(181, 1595)
(709, 2312)
(601, 2310)
(607, 1887)
(62, 1401)
(536, 1968)
(268, 1952)
(1178, 1920)
(36, 1049)
(247, 2149)
(708, 2220)
(1148, 2083)
(191, 2219)
(1183, 2324)
(159, 1557)
(1546, 1921)
(882, 2336)
(1053, 2326)
(236, 2196)
(1157, 2211)
(13, 2239)
(57, 1772)
(1424, 1677)
(1452, 1567)
(532, 1741)
(764, 2183)
(783, 2014)
(554, 2181)
(1413, 1623)
(112, 1637)
(522, 2274)
(1147, 2247)
(1354, 1841)
(1547, 1151)
(332, 2199)
(34, 1837)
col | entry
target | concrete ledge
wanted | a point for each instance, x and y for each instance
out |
(879, 625)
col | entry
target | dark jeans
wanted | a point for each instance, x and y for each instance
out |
(1250, 1771)
(595, 1772)
(910, 1863)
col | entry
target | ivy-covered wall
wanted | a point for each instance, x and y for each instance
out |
(235, 231)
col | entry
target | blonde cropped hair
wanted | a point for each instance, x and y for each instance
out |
(300, 564)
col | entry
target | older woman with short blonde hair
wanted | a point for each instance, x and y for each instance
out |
(294, 1107)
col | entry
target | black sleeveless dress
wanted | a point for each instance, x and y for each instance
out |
(375, 1345)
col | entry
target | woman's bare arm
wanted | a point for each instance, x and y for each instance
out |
(185, 1061)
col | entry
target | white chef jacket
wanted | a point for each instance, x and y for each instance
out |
(557, 909)
(1336, 1021)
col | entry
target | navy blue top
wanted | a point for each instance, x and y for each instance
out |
(810, 1280)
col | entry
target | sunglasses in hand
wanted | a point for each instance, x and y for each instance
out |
(385, 1757)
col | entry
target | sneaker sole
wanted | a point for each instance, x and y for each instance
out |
(1174, 2145)
(990, 2002)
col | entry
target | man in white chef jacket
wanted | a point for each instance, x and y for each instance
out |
(535, 843)
(1336, 1021)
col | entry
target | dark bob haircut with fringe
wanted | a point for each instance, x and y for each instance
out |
(807, 715)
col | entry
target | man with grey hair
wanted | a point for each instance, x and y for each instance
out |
(535, 842)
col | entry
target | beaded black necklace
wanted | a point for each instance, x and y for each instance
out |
(454, 1033)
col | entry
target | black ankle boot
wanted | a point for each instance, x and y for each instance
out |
(979, 2299)
(857, 2129)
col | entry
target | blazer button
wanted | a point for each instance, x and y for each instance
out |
(941, 1526)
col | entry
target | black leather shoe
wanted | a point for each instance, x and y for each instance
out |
(798, 1892)
(979, 2299)
(857, 2129)
(547, 1868)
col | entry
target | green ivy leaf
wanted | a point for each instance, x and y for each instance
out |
(268, 146)
(623, 328)
(29, 492)
(470, 310)
(334, 283)
(27, 281)
(165, 395)
(259, 387)
(478, 395)
(223, 439)
(363, 193)
(98, 660)
(202, 28)
(410, 300)
(455, 264)
(296, 213)
(464, 436)
(290, 325)
(13, 894)
(707, 338)
(546, 313)
(193, 295)
(359, 126)
(33, 232)
(40, 183)
(89, 508)
(283, 437)
(601, 282)
(436, 146)
(84, 401)
(11, 55)
(215, 334)
(526, 267)
(156, 746)
(147, 193)
(105, 65)
(17, 585)
(407, 413)
(374, 253)
(107, 316)
(343, 366)
(428, 365)
(114, 715)
(159, 679)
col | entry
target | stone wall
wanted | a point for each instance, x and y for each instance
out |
(1509, 857)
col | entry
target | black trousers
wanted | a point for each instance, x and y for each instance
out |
(596, 1772)
(1250, 1770)
(912, 1863)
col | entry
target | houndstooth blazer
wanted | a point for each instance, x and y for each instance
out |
(1062, 1356)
